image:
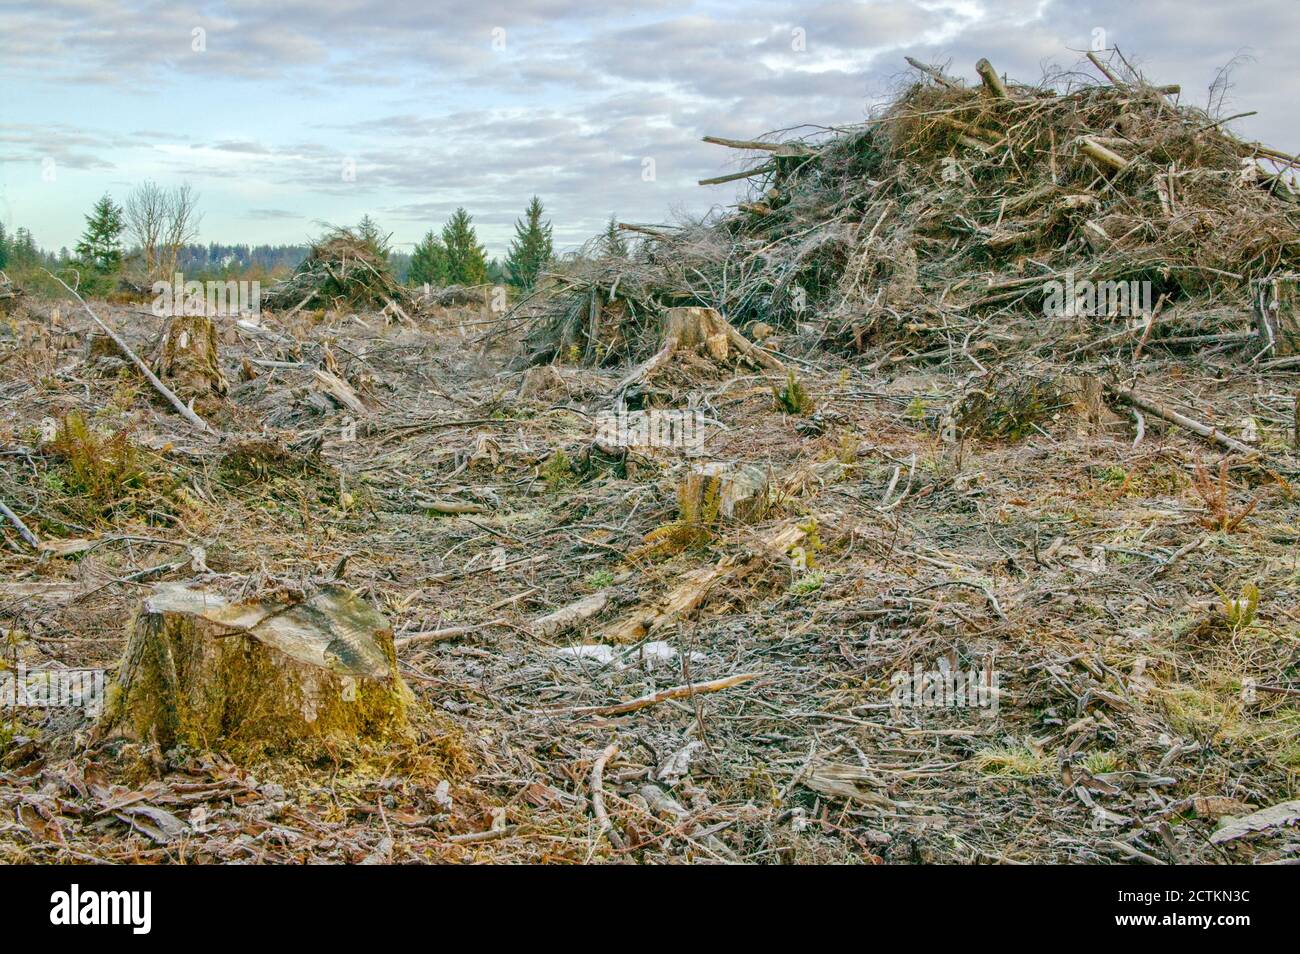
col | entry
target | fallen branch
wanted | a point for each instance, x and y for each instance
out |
(21, 527)
(745, 174)
(1211, 434)
(438, 635)
(663, 695)
(783, 149)
(932, 72)
(598, 795)
(690, 594)
(152, 378)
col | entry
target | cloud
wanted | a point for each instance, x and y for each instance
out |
(484, 104)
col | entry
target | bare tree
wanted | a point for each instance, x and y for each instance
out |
(181, 223)
(146, 210)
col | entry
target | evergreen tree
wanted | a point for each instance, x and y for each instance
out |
(4, 246)
(466, 259)
(428, 262)
(612, 241)
(24, 250)
(531, 250)
(368, 231)
(100, 247)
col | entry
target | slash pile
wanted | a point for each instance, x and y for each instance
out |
(936, 226)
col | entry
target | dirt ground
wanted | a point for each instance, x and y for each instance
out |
(1137, 604)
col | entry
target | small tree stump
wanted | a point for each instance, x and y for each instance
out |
(1277, 323)
(717, 491)
(186, 357)
(259, 677)
(699, 329)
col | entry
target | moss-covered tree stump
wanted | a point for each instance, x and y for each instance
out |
(716, 492)
(259, 677)
(186, 358)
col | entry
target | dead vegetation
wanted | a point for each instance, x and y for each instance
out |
(630, 654)
(341, 270)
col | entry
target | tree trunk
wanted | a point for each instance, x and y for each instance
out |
(186, 357)
(715, 491)
(260, 677)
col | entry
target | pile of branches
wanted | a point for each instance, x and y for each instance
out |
(949, 215)
(342, 270)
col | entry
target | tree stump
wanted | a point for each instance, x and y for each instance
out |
(1275, 303)
(721, 492)
(186, 357)
(259, 677)
(698, 329)
(704, 332)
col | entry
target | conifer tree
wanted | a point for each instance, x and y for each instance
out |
(612, 241)
(532, 249)
(428, 262)
(100, 247)
(368, 231)
(466, 258)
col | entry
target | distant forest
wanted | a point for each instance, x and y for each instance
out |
(217, 259)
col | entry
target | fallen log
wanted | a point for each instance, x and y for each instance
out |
(1107, 157)
(566, 617)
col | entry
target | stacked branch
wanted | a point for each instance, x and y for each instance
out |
(342, 270)
(938, 228)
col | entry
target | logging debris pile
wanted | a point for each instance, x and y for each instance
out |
(342, 270)
(936, 226)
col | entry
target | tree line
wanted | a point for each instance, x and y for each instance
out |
(160, 225)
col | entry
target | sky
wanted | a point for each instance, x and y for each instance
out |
(289, 114)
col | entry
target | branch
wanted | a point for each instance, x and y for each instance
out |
(663, 695)
(161, 388)
(17, 521)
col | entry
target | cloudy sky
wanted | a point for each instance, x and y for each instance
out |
(288, 113)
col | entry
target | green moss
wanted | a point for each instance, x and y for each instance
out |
(557, 472)
(186, 683)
